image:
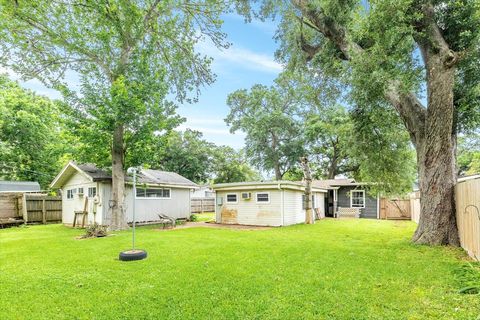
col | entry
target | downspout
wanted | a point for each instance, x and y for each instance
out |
(281, 204)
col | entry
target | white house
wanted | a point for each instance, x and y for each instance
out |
(265, 203)
(86, 186)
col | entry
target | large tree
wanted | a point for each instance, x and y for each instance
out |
(391, 54)
(31, 135)
(270, 118)
(230, 165)
(127, 56)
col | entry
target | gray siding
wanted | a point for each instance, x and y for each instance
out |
(370, 210)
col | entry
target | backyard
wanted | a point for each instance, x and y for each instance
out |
(335, 269)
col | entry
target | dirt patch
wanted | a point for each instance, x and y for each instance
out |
(229, 215)
(216, 226)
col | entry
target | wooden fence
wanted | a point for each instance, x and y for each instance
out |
(395, 209)
(200, 205)
(467, 194)
(467, 199)
(18, 207)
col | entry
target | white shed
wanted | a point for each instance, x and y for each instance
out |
(265, 203)
(157, 192)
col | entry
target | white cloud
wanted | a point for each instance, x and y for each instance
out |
(240, 56)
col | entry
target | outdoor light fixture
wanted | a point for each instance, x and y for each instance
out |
(133, 254)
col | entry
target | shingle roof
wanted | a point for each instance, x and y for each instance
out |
(163, 177)
(333, 183)
(94, 172)
(19, 186)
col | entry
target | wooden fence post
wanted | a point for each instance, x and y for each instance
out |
(24, 208)
(44, 212)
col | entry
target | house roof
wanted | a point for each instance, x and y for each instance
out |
(335, 183)
(282, 184)
(13, 186)
(145, 176)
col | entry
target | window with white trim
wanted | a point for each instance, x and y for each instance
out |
(313, 202)
(92, 192)
(232, 198)
(70, 193)
(263, 197)
(357, 199)
(162, 193)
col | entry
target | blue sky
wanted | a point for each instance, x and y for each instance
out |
(248, 61)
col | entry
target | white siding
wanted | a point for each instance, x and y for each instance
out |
(293, 212)
(78, 180)
(177, 206)
(249, 212)
(320, 202)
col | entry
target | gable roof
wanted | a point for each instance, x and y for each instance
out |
(9, 186)
(145, 176)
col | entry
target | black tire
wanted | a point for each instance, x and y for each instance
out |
(130, 255)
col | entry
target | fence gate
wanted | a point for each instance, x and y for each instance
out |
(395, 209)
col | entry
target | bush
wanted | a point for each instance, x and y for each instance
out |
(193, 218)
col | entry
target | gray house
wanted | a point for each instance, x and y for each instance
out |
(348, 197)
(88, 188)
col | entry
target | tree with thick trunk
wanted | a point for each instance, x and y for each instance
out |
(128, 56)
(425, 25)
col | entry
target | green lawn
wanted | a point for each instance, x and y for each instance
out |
(347, 269)
(207, 216)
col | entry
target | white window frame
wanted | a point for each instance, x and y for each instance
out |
(262, 202)
(154, 198)
(231, 194)
(73, 194)
(351, 199)
(88, 191)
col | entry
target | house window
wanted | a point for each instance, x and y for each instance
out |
(357, 199)
(163, 193)
(263, 197)
(70, 193)
(92, 192)
(232, 198)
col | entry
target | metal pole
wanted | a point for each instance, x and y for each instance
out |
(134, 196)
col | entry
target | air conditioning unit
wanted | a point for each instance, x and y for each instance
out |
(246, 195)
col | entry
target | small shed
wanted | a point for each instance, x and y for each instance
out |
(84, 186)
(265, 203)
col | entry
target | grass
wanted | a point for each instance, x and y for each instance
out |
(206, 216)
(347, 269)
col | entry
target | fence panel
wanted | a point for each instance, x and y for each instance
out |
(395, 209)
(415, 206)
(43, 209)
(199, 205)
(467, 195)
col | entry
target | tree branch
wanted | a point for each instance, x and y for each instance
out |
(406, 103)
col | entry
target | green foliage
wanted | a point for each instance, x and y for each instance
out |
(186, 154)
(127, 56)
(232, 166)
(383, 150)
(330, 135)
(353, 269)
(31, 132)
(269, 117)
(468, 154)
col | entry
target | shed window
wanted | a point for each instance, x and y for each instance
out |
(92, 192)
(357, 199)
(70, 193)
(263, 197)
(232, 198)
(163, 193)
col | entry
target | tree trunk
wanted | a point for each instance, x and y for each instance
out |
(278, 172)
(118, 219)
(436, 157)
(308, 191)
